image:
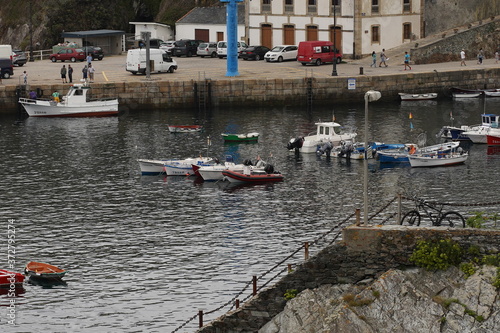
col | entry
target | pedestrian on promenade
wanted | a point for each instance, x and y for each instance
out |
(63, 74)
(407, 60)
(462, 56)
(91, 73)
(70, 73)
(382, 58)
(374, 59)
(25, 78)
(85, 72)
(480, 56)
(497, 57)
(89, 59)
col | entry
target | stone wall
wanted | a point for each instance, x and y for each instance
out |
(364, 253)
(273, 92)
(485, 36)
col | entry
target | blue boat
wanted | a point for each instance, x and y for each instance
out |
(401, 155)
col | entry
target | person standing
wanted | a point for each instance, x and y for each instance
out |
(63, 74)
(497, 57)
(89, 59)
(374, 59)
(91, 73)
(70, 74)
(480, 56)
(462, 56)
(407, 60)
(382, 58)
(85, 72)
(25, 78)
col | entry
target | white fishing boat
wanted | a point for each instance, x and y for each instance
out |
(214, 172)
(438, 158)
(152, 167)
(185, 167)
(492, 93)
(478, 133)
(417, 97)
(76, 103)
(326, 132)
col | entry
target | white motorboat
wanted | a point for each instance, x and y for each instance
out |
(214, 172)
(492, 93)
(152, 167)
(76, 103)
(417, 97)
(185, 167)
(326, 132)
(437, 158)
(478, 133)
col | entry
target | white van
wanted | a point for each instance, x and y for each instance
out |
(159, 61)
(222, 48)
(6, 52)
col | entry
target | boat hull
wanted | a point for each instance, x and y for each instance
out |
(184, 128)
(44, 271)
(38, 108)
(250, 137)
(8, 278)
(417, 97)
(152, 167)
(437, 160)
(238, 177)
(185, 167)
(493, 140)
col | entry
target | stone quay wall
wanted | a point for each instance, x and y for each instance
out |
(365, 253)
(271, 92)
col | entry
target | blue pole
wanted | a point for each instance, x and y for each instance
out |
(232, 35)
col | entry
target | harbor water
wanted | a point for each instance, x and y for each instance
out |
(146, 253)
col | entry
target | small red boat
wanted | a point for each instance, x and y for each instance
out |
(7, 278)
(253, 176)
(43, 271)
(184, 128)
(493, 140)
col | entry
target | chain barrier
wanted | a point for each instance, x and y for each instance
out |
(453, 203)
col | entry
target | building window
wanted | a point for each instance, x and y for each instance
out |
(288, 6)
(375, 34)
(266, 5)
(336, 7)
(406, 6)
(312, 7)
(406, 30)
(374, 6)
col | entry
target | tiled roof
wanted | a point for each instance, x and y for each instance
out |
(211, 15)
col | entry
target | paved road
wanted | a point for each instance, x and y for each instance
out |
(112, 69)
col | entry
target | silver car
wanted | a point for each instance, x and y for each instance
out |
(19, 58)
(282, 52)
(207, 50)
(167, 46)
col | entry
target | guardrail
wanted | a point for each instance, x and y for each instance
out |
(39, 54)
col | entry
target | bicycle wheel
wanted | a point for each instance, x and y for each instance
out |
(452, 219)
(412, 218)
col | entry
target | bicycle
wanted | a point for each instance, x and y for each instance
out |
(434, 213)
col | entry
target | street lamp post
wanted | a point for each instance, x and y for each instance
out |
(370, 96)
(334, 72)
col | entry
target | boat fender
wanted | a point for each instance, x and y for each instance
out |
(269, 169)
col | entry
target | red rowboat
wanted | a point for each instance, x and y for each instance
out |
(42, 270)
(252, 177)
(7, 278)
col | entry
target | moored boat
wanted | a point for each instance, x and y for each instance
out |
(185, 167)
(466, 93)
(477, 133)
(249, 175)
(152, 167)
(492, 93)
(9, 278)
(43, 270)
(184, 128)
(401, 155)
(493, 137)
(75, 103)
(438, 158)
(248, 137)
(417, 97)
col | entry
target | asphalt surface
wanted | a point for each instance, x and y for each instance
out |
(112, 69)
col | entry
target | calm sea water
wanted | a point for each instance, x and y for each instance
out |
(145, 253)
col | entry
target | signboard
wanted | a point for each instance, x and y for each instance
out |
(351, 84)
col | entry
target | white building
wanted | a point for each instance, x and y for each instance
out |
(360, 26)
(157, 30)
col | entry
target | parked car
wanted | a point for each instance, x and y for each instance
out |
(95, 51)
(187, 47)
(19, 58)
(317, 52)
(256, 52)
(68, 54)
(282, 52)
(222, 48)
(207, 50)
(154, 43)
(6, 68)
(167, 46)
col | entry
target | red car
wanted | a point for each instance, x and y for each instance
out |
(68, 54)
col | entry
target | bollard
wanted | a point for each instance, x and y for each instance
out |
(237, 303)
(254, 282)
(358, 216)
(200, 316)
(360, 70)
(306, 250)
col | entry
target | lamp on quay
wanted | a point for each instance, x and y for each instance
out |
(370, 96)
(334, 71)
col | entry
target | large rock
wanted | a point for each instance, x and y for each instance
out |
(399, 301)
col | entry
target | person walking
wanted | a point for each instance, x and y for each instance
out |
(25, 78)
(63, 74)
(374, 59)
(462, 57)
(407, 60)
(382, 58)
(480, 56)
(85, 72)
(70, 74)
(91, 73)
(89, 59)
